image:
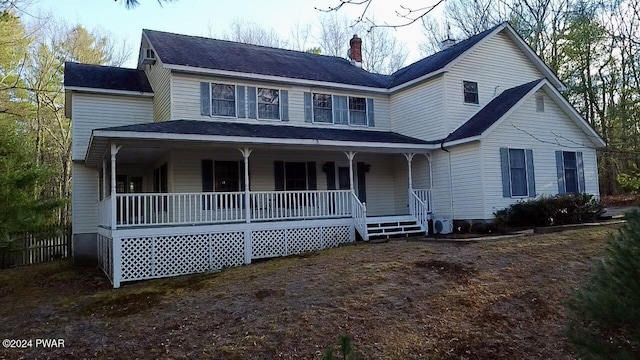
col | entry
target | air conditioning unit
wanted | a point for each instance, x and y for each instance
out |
(442, 226)
(149, 57)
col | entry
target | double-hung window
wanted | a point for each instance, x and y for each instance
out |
(357, 111)
(268, 104)
(223, 100)
(518, 172)
(570, 172)
(295, 176)
(470, 92)
(322, 108)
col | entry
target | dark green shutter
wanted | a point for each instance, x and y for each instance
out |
(312, 181)
(252, 102)
(330, 170)
(580, 162)
(207, 175)
(531, 176)
(504, 168)
(370, 112)
(205, 99)
(278, 175)
(284, 104)
(308, 109)
(241, 101)
(562, 189)
(362, 185)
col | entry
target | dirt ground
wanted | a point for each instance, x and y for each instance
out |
(498, 299)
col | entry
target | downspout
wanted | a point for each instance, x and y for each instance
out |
(450, 177)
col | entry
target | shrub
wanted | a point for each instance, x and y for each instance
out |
(463, 227)
(605, 314)
(479, 227)
(554, 210)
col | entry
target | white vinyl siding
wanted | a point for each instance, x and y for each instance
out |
(497, 64)
(185, 91)
(419, 111)
(99, 111)
(160, 80)
(420, 174)
(544, 133)
(466, 177)
(84, 199)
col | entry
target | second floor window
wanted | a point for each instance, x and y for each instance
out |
(223, 100)
(358, 111)
(322, 110)
(470, 92)
(268, 104)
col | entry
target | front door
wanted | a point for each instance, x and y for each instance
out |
(343, 178)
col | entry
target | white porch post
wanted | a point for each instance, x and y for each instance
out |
(409, 157)
(246, 152)
(104, 179)
(114, 220)
(117, 242)
(350, 156)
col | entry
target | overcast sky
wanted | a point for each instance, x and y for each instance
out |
(196, 17)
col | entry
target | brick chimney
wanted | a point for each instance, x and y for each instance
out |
(355, 51)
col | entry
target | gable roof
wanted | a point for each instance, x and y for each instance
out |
(487, 118)
(218, 128)
(105, 77)
(492, 112)
(208, 53)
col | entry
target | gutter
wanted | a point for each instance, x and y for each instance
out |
(450, 177)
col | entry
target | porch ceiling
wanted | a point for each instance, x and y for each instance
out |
(191, 133)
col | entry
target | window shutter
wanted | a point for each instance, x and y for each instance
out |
(312, 180)
(252, 102)
(370, 112)
(340, 110)
(580, 161)
(560, 170)
(278, 175)
(330, 168)
(241, 101)
(284, 104)
(504, 167)
(205, 99)
(207, 175)
(531, 176)
(307, 108)
(362, 185)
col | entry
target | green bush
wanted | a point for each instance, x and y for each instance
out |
(347, 351)
(605, 314)
(554, 210)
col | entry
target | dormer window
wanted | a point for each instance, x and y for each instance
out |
(223, 100)
(470, 92)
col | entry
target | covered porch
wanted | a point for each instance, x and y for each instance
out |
(159, 199)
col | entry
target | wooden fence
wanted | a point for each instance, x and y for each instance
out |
(46, 245)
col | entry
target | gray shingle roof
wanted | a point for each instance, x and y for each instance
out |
(105, 77)
(492, 112)
(194, 127)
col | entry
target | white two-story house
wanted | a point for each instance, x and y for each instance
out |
(213, 153)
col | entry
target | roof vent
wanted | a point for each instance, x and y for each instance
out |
(447, 43)
(149, 57)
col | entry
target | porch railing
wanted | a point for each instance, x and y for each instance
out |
(359, 211)
(282, 205)
(418, 210)
(182, 208)
(104, 212)
(425, 196)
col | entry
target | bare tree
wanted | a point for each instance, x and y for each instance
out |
(333, 34)
(130, 4)
(300, 35)
(252, 33)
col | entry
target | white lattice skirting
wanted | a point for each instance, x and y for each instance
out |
(148, 256)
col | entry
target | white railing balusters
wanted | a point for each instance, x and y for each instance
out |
(420, 206)
(359, 211)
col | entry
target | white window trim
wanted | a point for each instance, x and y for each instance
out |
(313, 110)
(235, 99)
(526, 174)
(477, 89)
(564, 173)
(279, 104)
(366, 112)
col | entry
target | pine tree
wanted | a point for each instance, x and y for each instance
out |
(605, 314)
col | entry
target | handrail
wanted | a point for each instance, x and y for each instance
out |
(359, 211)
(419, 209)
